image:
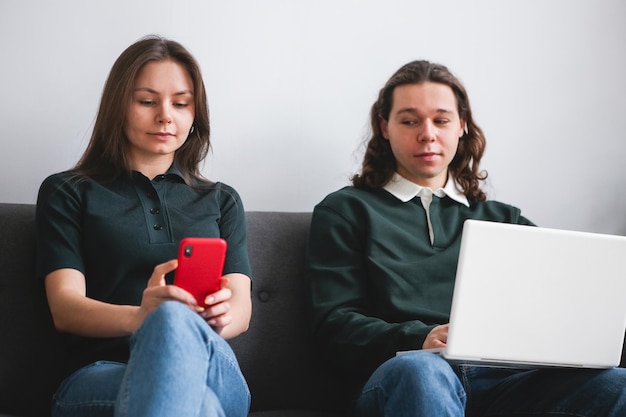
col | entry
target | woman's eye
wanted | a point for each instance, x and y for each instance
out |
(146, 102)
(181, 104)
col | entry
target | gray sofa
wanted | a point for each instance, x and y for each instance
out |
(275, 354)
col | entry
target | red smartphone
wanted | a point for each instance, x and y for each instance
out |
(200, 266)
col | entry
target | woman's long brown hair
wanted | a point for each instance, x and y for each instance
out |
(106, 156)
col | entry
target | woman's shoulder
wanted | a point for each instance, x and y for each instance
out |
(210, 186)
(58, 177)
(224, 187)
(218, 191)
(62, 189)
(61, 180)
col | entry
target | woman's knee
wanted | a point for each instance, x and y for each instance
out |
(172, 323)
(170, 312)
(174, 316)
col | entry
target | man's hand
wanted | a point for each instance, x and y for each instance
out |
(437, 337)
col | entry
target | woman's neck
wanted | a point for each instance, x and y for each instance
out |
(152, 166)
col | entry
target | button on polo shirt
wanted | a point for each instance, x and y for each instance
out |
(152, 195)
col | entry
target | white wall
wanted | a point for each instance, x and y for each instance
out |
(290, 84)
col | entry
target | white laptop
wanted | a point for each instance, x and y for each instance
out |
(532, 297)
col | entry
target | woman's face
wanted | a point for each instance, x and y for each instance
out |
(423, 130)
(160, 114)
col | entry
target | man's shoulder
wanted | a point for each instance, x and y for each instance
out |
(495, 204)
(351, 195)
(358, 205)
(498, 211)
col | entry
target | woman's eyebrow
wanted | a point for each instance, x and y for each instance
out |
(152, 91)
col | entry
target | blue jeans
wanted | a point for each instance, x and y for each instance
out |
(178, 366)
(420, 384)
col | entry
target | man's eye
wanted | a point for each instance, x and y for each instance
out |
(441, 121)
(409, 122)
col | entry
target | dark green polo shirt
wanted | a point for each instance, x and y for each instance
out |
(115, 233)
(375, 282)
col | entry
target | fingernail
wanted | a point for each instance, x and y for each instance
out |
(209, 300)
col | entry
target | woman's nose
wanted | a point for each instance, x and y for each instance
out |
(164, 115)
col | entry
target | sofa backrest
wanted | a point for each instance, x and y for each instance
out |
(31, 358)
(275, 354)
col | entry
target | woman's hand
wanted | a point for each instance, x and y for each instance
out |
(157, 292)
(228, 310)
(217, 311)
(437, 337)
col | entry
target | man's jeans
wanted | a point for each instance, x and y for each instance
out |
(420, 384)
(178, 367)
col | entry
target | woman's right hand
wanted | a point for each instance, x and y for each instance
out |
(157, 292)
(74, 312)
(437, 337)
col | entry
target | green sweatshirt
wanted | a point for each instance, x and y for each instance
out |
(375, 283)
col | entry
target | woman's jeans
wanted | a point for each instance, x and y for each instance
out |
(420, 384)
(178, 366)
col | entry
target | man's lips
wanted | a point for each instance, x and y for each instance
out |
(428, 156)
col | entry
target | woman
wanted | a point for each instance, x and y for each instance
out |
(108, 235)
(382, 262)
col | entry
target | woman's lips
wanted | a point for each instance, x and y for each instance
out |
(162, 135)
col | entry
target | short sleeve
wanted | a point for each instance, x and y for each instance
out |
(58, 223)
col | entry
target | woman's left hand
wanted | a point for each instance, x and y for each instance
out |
(229, 309)
(217, 310)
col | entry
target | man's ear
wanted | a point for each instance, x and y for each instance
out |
(383, 126)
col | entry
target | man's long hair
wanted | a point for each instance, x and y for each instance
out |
(379, 164)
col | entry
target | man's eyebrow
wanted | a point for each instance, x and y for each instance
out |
(151, 91)
(413, 110)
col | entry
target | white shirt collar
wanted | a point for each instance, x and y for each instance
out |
(405, 190)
